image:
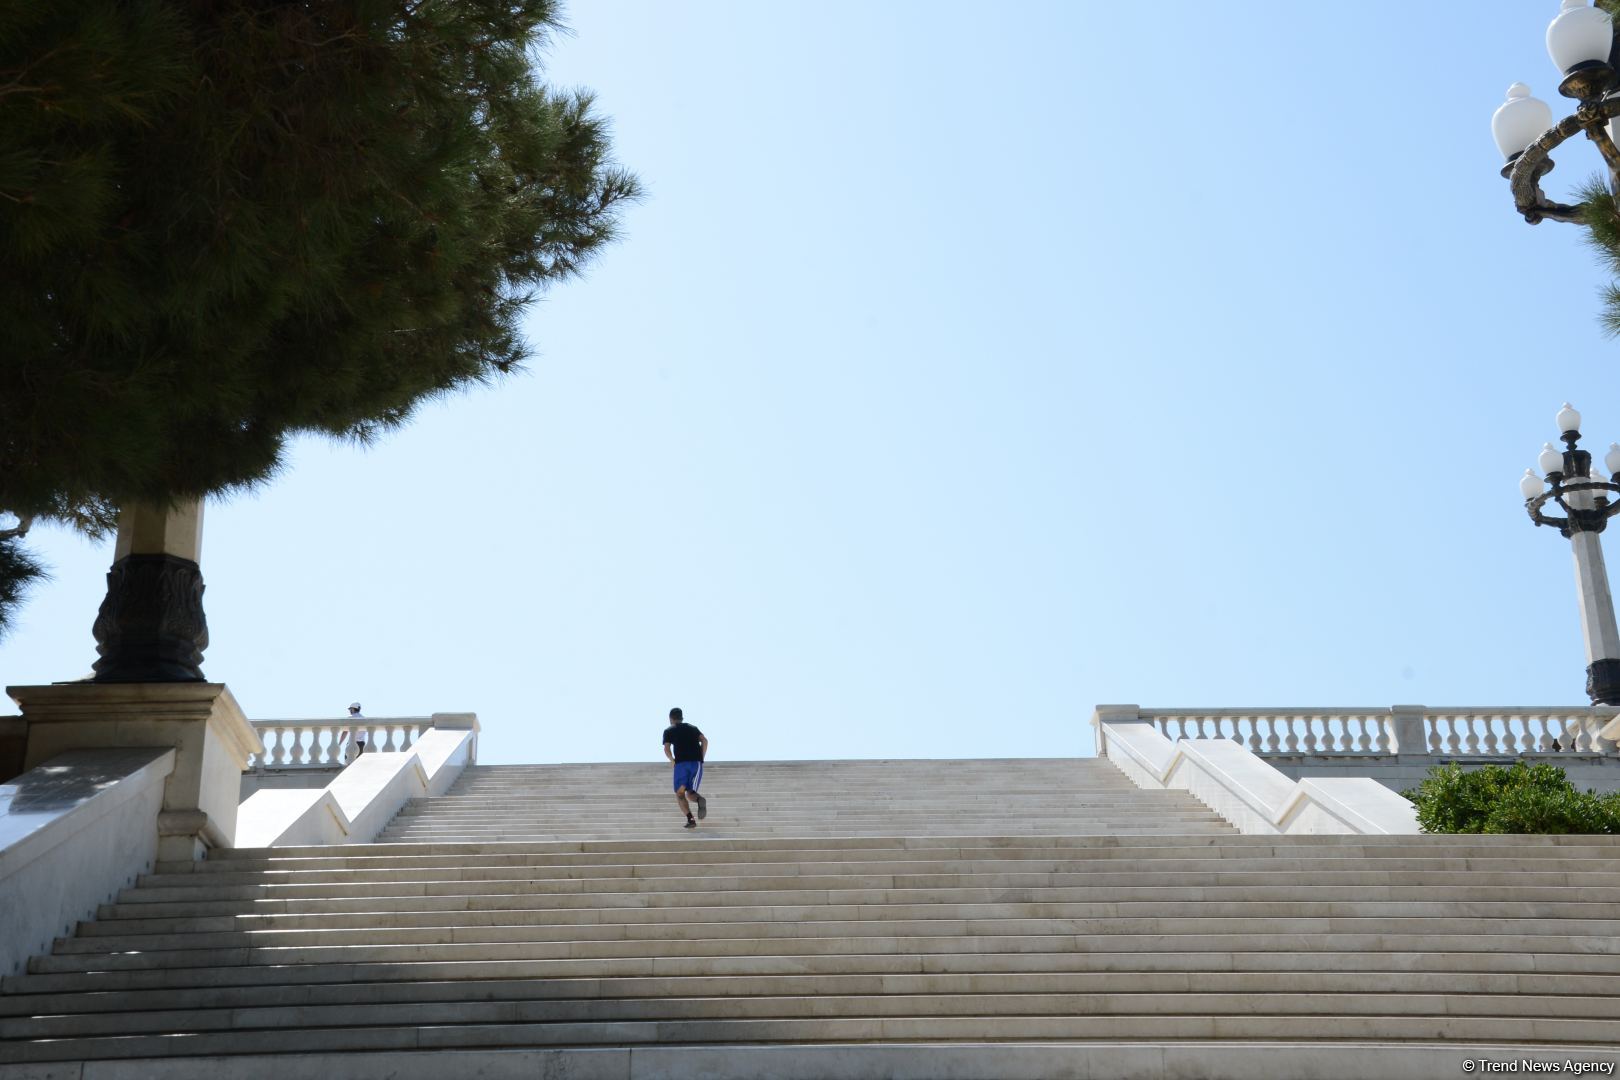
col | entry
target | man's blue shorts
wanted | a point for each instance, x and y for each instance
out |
(688, 775)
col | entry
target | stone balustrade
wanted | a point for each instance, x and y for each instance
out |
(1407, 729)
(319, 744)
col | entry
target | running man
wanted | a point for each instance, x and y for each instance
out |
(686, 747)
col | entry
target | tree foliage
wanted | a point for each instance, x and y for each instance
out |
(225, 222)
(1520, 799)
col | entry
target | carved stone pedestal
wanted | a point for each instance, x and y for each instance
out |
(200, 720)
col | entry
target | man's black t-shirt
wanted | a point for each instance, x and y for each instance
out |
(684, 738)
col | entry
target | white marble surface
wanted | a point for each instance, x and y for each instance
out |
(1237, 784)
(364, 797)
(74, 830)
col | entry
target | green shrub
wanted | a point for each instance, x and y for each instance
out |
(1520, 799)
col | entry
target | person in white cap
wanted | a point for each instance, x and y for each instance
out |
(359, 733)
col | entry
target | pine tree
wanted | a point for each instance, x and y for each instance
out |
(226, 222)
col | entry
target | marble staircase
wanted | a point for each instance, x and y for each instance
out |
(901, 919)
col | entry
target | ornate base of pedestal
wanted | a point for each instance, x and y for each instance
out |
(201, 721)
(151, 626)
(1603, 682)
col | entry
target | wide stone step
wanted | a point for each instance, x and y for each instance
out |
(822, 939)
(661, 925)
(226, 915)
(1090, 983)
(176, 918)
(675, 828)
(972, 1008)
(1210, 916)
(1107, 957)
(953, 848)
(632, 877)
(1219, 845)
(895, 1060)
(1523, 846)
(1153, 1028)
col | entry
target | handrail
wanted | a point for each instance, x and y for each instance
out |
(324, 743)
(1455, 731)
(363, 798)
(1243, 788)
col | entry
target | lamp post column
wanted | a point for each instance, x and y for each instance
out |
(151, 626)
(1597, 618)
(1586, 496)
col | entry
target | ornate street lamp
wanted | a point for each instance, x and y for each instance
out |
(1583, 46)
(1584, 495)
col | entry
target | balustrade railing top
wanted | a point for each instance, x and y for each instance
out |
(329, 743)
(1408, 729)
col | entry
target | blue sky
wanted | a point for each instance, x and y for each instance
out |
(965, 368)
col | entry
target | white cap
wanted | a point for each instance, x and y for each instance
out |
(354, 704)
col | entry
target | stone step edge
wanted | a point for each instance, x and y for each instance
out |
(833, 1061)
(1116, 962)
(615, 987)
(1592, 1036)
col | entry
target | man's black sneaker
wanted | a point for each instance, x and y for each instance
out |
(690, 824)
(703, 806)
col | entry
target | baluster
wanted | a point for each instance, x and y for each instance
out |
(278, 749)
(1497, 736)
(1489, 739)
(1583, 734)
(1471, 728)
(1253, 742)
(1290, 743)
(1451, 740)
(1364, 736)
(1565, 733)
(1517, 736)
(1274, 735)
(1381, 726)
